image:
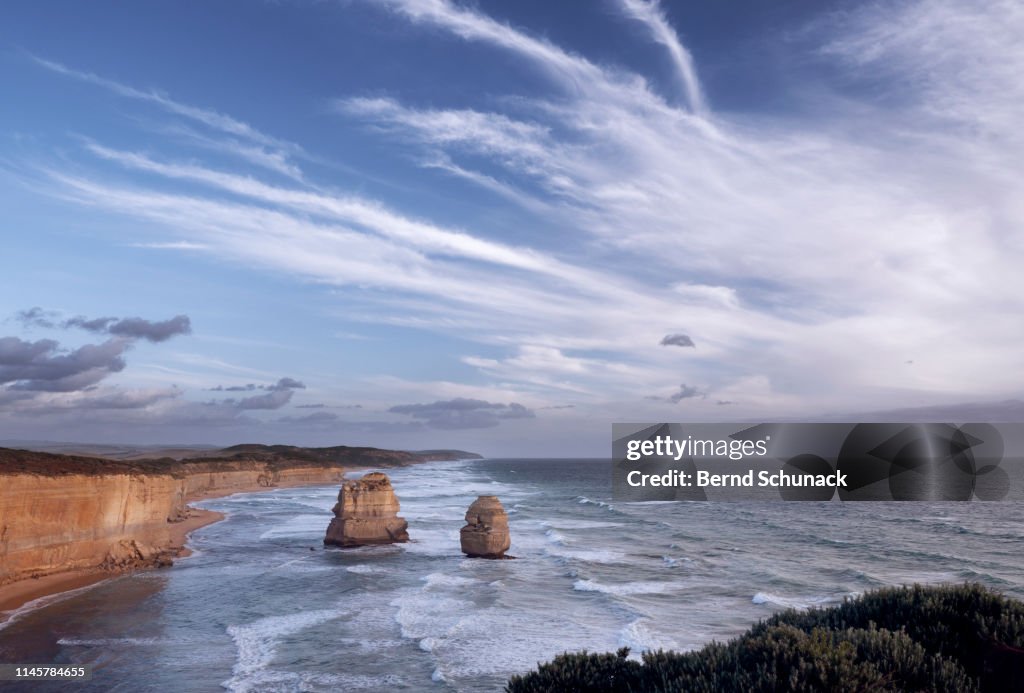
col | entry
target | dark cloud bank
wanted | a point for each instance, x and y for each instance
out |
(41, 366)
(463, 413)
(680, 340)
(277, 395)
(41, 381)
(129, 328)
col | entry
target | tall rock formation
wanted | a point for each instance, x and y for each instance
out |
(367, 513)
(486, 534)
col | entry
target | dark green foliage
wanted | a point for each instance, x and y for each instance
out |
(970, 624)
(953, 638)
(578, 672)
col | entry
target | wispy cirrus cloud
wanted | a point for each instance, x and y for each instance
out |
(243, 140)
(208, 117)
(810, 255)
(808, 221)
(110, 402)
(171, 245)
(649, 13)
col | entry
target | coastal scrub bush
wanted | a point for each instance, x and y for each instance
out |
(581, 671)
(950, 638)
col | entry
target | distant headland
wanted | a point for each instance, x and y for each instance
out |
(67, 520)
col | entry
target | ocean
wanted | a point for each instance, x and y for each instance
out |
(262, 605)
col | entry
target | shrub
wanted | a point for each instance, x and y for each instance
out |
(578, 672)
(952, 638)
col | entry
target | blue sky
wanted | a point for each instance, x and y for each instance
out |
(503, 226)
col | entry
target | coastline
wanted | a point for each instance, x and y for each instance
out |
(17, 594)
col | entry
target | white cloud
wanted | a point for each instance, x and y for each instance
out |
(208, 117)
(171, 245)
(808, 258)
(650, 14)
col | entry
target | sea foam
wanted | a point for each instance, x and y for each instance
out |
(257, 643)
(626, 588)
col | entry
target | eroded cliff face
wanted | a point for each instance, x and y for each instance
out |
(61, 513)
(219, 481)
(367, 513)
(51, 524)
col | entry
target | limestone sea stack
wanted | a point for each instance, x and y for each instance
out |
(367, 513)
(486, 533)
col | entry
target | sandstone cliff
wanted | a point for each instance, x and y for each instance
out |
(62, 513)
(486, 534)
(366, 514)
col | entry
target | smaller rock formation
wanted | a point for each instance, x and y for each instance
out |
(367, 513)
(486, 533)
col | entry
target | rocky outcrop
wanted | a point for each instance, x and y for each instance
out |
(486, 534)
(367, 513)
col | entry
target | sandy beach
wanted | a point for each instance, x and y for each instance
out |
(17, 594)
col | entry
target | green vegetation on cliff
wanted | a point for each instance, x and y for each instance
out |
(236, 457)
(950, 638)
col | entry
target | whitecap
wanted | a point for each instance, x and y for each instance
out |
(371, 646)
(257, 644)
(637, 636)
(108, 642)
(579, 524)
(17, 614)
(583, 500)
(791, 602)
(364, 569)
(589, 556)
(555, 537)
(422, 615)
(445, 580)
(638, 587)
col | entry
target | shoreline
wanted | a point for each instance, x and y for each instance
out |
(17, 594)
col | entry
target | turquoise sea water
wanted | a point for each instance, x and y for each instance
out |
(263, 606)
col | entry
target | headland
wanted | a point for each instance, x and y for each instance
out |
(70, 520)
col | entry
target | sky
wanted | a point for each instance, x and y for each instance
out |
(502, 226)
